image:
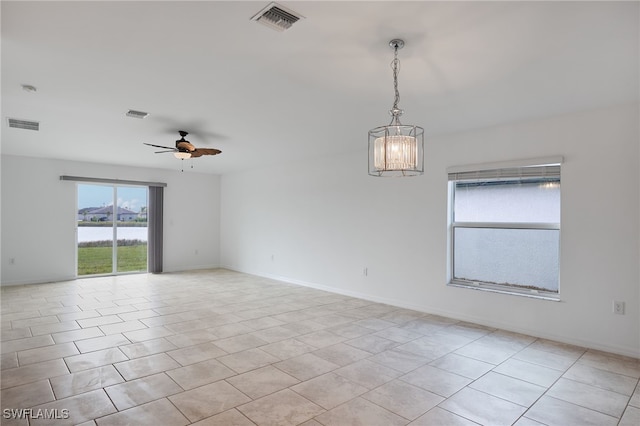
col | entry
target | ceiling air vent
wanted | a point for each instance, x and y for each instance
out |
(277, 17)
(136, 114)
(24, 124)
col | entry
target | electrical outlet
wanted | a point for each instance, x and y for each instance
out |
(365, 271)
(618, 307)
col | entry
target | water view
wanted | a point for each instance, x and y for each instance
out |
(95, 233)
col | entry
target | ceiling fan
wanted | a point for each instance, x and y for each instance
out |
(184, 149)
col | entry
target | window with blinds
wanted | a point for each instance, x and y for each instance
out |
(504, 227)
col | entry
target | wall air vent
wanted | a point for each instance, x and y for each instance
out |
(24, 124)
(277, 17)
(137, 114)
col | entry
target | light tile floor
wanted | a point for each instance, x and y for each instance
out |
(223, 348)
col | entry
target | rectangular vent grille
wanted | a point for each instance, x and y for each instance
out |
(277, 17)
(137, 114)
(24, 124)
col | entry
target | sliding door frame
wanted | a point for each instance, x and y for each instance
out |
(155, 214)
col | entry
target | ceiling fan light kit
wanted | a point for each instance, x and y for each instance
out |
(182, 155)
(397, 149)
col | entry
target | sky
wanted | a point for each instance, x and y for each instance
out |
(129, 197)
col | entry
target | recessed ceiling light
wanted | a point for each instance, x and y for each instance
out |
(29, 88)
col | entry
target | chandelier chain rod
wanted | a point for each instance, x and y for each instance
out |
(395, 65)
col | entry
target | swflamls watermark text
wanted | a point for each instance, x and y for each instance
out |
(37, 413)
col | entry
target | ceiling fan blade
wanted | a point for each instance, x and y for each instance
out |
(168, 150)
(185, 145)
(198, 152)
(160, 146)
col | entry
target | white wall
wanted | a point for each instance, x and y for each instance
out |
(320, 223)
(39, 216)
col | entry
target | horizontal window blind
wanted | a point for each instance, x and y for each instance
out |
(522, 169)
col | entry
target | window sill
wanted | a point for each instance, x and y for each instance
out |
(513, 292)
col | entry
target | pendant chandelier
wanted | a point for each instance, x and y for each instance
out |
(396, 149)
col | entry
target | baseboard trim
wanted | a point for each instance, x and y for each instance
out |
(36, 281)
(619, 350)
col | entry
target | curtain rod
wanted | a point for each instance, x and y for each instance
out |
(114, 181)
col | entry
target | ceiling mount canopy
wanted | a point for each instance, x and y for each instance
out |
(396, 149)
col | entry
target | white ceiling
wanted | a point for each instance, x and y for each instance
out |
(263, 96)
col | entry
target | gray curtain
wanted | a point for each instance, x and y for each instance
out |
(156, 197)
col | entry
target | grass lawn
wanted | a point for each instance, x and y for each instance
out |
(98, 260)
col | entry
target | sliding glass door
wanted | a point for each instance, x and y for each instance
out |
(131, 229)
(111, 240)
(95, 229)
